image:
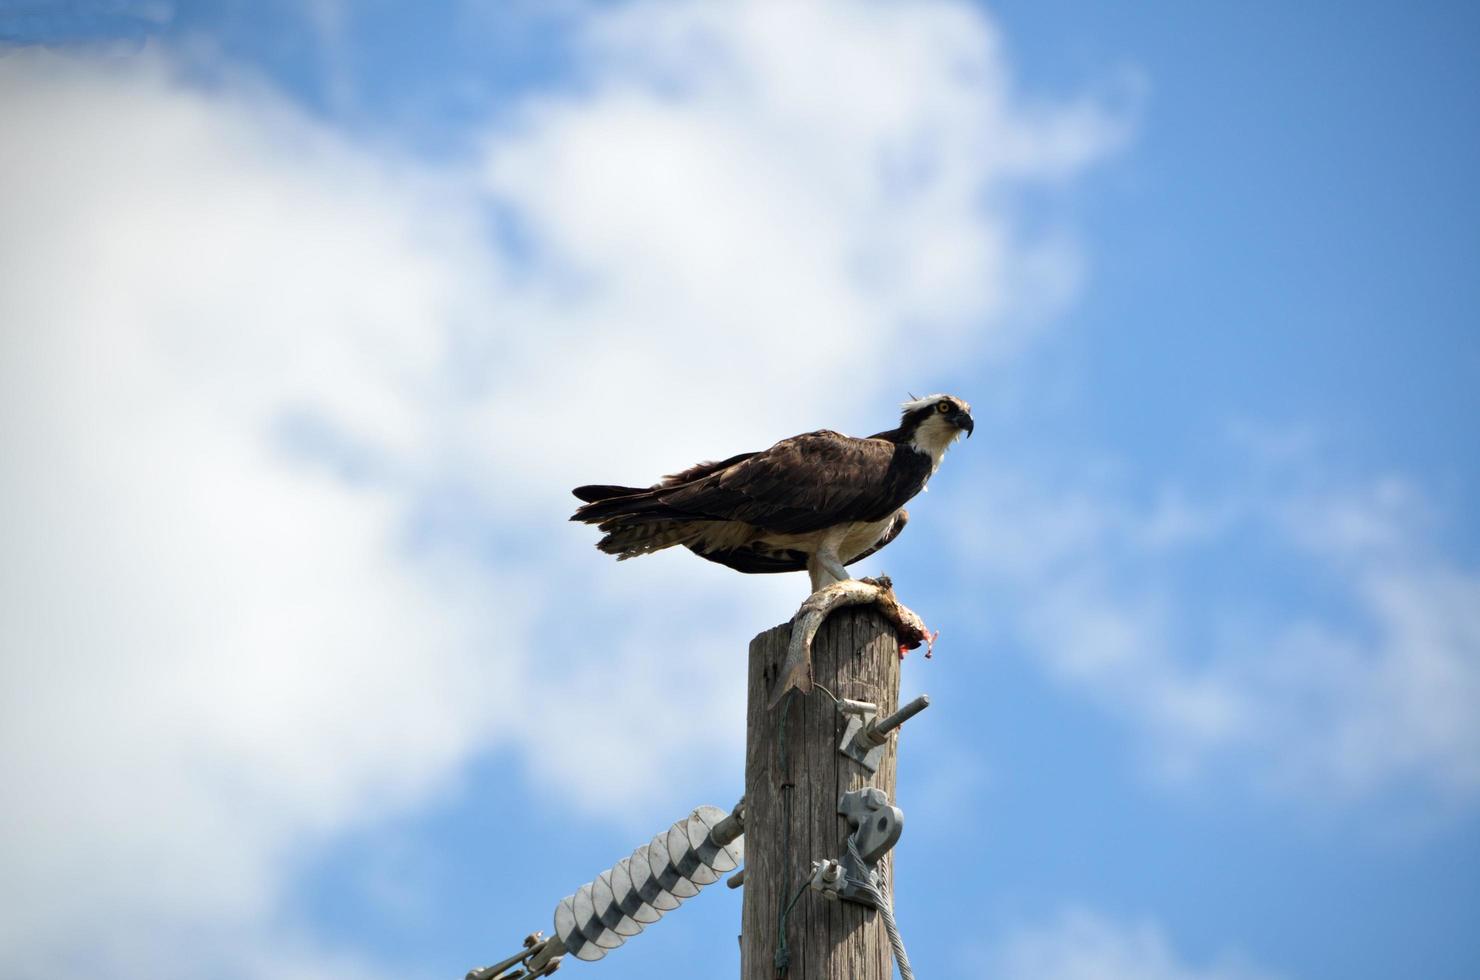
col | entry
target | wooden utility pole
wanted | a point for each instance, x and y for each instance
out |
(794, 776)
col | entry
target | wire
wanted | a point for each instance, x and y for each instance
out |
(836, 699)
(887, 912)
(782, 959)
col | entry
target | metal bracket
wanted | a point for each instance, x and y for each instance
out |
(540, 957)
(875, 825)
(865, 738)
(827, 878)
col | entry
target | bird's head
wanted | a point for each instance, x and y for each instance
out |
(932, 423)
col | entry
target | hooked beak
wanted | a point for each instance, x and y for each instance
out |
(963, 421)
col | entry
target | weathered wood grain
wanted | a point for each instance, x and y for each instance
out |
(791, 799)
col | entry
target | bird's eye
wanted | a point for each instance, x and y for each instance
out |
(943, 407)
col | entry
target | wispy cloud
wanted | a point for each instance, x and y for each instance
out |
(1084, 945)
(1310, 632)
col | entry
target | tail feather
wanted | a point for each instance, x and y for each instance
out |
(636, 521)
(630, 540)
(644, 506)
(604, 491)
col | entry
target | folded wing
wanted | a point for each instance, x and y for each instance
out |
(806, 483)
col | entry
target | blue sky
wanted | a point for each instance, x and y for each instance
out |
(313, 314)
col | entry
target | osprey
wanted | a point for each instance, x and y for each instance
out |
(819, 501)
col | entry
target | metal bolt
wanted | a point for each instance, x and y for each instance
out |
(827, 878)
(877, 733)
(731, 827)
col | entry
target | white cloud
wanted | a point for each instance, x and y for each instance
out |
(794, 188)
(1083, 945)
(212, 652)
(246, 361)
(1171, 615)
(1390, 696)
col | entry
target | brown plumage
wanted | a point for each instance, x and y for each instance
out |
(819, 501)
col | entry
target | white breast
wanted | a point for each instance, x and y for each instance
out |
(856, 538)
(862, 536)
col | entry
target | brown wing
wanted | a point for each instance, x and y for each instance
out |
(802, 484)
(805, 483)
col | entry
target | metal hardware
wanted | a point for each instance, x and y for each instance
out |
(827, 878)
(865, 737)
(545, 959)
(875, 826)
(539, 958)
(879, 733)
(732, 826)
